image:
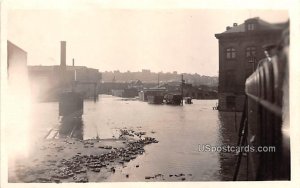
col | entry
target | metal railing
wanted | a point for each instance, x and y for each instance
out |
(264, 95)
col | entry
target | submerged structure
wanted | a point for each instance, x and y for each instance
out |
(240, 49)
(70, 101)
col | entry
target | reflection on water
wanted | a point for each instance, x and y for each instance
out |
(71, 127)
(179, 130)
(228, 135)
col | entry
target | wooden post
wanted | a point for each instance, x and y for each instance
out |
(182, 89)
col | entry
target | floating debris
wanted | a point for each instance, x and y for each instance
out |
(107, 147)
(56, 180)
(82, 180)
(113, 169)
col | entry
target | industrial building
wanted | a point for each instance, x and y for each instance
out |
(45, 82)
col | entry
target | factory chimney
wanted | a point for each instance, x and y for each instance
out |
(63, 54)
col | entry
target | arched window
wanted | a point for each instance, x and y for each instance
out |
(250, 51)
(230, 53)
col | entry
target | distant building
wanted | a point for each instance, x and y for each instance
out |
(45, 81)
(117, 92)
(147, 77)
(125, 93)
(138, 84)
(143, 95)
(147, 71)
(107, 87)
(197, 93)
(240, 49)
(130, 93)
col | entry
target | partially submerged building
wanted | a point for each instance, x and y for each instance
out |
(241, 46)
(45, 81)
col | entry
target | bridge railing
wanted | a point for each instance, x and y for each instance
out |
(264, 90)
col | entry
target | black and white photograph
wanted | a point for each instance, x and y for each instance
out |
(99, 92)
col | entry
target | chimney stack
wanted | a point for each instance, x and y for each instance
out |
(63, 53)
(73, 62)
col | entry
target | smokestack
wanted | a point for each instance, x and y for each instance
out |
(73, 62)
(63, 53)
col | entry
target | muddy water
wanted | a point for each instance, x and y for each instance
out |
(179, 130)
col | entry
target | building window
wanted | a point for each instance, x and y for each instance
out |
(230, 53)
(250, 26)
(250, 51)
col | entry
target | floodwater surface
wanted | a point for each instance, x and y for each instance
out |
(180, 131)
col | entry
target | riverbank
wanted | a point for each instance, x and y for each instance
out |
(74, 160)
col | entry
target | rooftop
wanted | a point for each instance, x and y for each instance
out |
(52, 67)
(262, 25)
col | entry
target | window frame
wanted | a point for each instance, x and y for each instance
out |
(251, 26)
(230, 53)
(251, 50)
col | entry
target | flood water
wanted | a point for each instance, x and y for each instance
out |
(179, 130)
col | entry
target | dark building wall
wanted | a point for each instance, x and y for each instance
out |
(234, 71)
(130, 93)
(197, 93)
(107, 87)
(240, 66)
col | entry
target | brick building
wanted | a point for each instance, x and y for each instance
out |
(240, 49)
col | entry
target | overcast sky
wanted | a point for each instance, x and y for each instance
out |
(113, 39)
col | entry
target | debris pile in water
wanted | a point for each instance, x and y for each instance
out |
(78, 166)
